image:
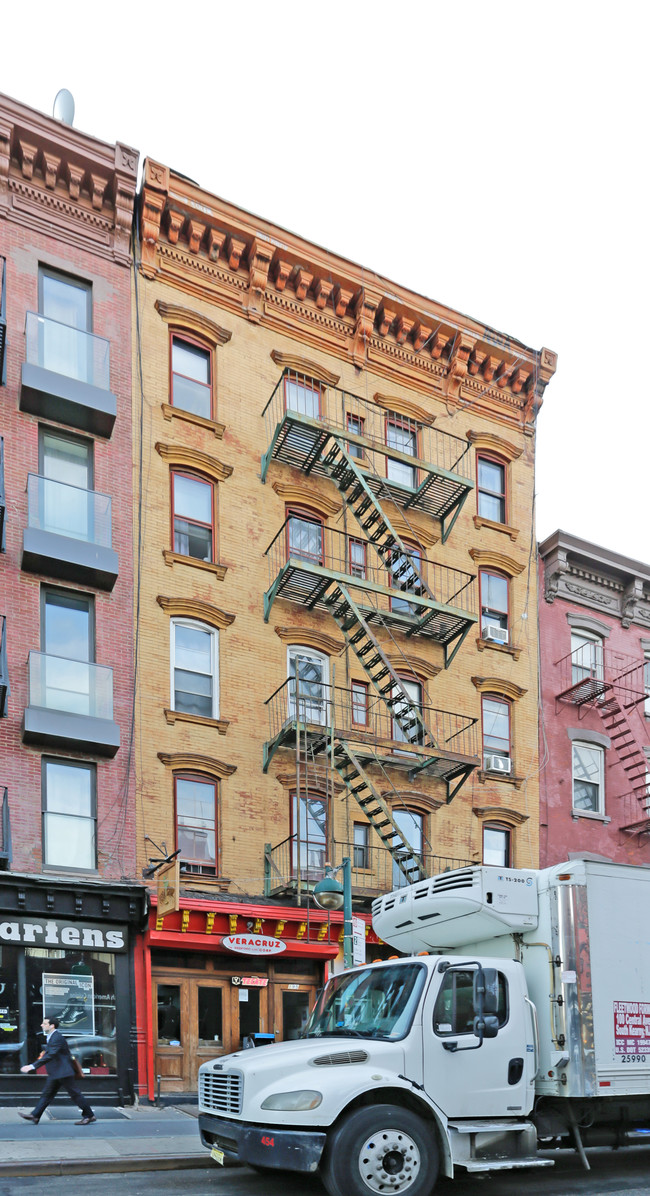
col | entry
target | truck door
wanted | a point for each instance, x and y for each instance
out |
(491, 1081)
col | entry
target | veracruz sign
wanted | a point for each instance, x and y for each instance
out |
(253, 944)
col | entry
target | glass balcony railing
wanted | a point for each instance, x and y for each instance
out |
(68, 511)
(68, 351)
(70, 686)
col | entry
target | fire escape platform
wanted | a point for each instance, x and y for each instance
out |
(300, 441)
(308, 584)
(589, 689)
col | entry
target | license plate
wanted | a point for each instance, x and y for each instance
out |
(217, 1155)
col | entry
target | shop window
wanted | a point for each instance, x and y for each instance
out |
(308, 685)
(454, 1010)
(401, 434)
(169, 1014)
(64, 347)
(69, 806)
(411, 824)
(494, 607)
(586, 657)
(195, 668)
(196, 825)
(308, 836)
(497, 845)
(359, 693)
(357, 557)
(304, 536)
(191, 381)
(302, 395)
(496, 734)
(361, 845)
(355, 425)
(491, 489)
(193, 516)
(588, 778)
(405, 572)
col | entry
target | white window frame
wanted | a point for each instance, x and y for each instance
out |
(295, 650)
(196, 625)
(600, 751)
(595, 670)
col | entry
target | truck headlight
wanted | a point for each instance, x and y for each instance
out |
(304, 1098)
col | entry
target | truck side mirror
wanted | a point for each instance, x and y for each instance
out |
(486, 1027)
(486, 992)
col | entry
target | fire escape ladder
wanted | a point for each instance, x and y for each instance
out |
(376, 811)
(367, 509)
(628, 749)
(378, 668)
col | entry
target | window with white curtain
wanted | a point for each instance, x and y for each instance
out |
(194, 668)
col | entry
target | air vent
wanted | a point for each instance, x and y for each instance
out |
(453, 880)
(340, 1058)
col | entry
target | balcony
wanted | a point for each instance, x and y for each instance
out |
(66, 376)
(321, 711)
(69, 533)
(286, 870)
(395, 599)
(5, 831)
(70, 705)
(591, 671)
(3, 321)
(3, 500)
(410, 461)
(4, 671)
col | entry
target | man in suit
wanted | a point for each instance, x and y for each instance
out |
(57, 1059)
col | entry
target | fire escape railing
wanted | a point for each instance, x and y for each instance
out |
(5, 831)
(591, 670)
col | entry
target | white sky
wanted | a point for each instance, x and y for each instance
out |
(491, 155)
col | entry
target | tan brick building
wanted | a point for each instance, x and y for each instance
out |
(335, 603)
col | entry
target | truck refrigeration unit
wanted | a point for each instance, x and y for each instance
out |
(518, 1020)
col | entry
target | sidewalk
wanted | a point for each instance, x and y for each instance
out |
(129, 1139)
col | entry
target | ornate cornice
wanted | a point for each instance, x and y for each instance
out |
(310, 638)
(193, 608)
(319, 781)
(179, 454)
(204, 246)
(404, 407)
(424, 669)
(192, 321)
(497, 685)
(485, 559)
(305, 496)
(494, 444)
(500, 814)
(312, 369)
(210, 425)
(178, 716)
(412, 799)
(504, 528)
(192, 762)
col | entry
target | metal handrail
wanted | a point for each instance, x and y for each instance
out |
(601, 667)
(439, 448)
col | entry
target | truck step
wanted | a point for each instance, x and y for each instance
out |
(505, 1164)
(489, 1127)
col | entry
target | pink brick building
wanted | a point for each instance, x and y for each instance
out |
(594, 628)
(68, 901)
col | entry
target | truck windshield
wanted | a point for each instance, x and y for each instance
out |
(372, 1003)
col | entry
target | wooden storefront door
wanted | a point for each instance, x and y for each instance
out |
(292, 1005)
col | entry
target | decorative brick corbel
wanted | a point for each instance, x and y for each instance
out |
(234, 250)
(518, 379)
(27, 155)
(174, 222)
(440, 339)
(215, 243)
(260, 256)
(5, 159)
(420, 336)
(502, 375)
(403, 329)
(98, 186)
(385, 318)
(302, 281)
(342, 300)
(458, 363)
(75, 176)
(322, 290)
(281, 272)
(195, 231)
(541, 378)
(154, 192)
(51, 163)
(476, 362)
(556, 565)
(490, 367)
(631, 602)
(365, 310)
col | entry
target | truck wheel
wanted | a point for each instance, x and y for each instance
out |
(381, 1150)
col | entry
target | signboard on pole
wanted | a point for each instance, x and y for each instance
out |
(168, 888)
(358, 941)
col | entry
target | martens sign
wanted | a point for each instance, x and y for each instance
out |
(54, 932)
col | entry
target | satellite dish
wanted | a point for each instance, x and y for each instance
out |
(64, 106)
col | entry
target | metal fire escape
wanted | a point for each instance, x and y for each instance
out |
(323, 441)
(613, 684)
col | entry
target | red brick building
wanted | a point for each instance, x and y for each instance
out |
(67, 909)
(594, 632)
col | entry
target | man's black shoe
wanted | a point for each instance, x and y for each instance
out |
(29, 1117)
(84, 1120)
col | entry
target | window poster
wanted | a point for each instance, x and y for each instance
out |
(72, 1000)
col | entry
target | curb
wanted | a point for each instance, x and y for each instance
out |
(154, 1162)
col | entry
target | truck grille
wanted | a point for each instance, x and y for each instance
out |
(221, 1091)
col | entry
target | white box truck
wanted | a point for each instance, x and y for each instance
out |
(520, 1017)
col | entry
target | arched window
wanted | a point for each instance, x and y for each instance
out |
(193, 515)
(401, 434)
(191, 377)
(308, 835)
(405, 572)
(586, 656)
(196, 823)
(194, 656)
(302, 394)
(411, 824)
(497, 749)
(304, 535)
(308, 673)
(497, 844)
(588, 771)
(491, 488)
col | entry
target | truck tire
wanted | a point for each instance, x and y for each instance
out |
(380, 1150)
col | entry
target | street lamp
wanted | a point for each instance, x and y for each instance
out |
(330, 894)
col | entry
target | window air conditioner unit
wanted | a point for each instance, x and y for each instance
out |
(498, 764)
(497, 635)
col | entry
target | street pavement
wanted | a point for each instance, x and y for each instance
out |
(129, 1139)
